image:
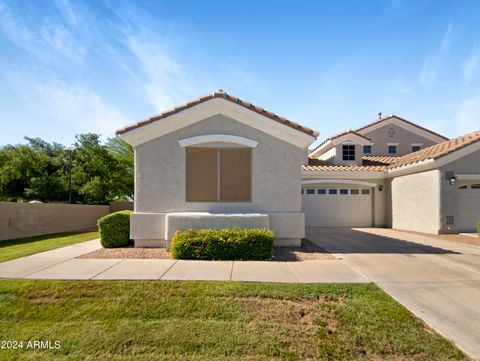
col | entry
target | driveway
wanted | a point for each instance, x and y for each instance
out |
(437, 280)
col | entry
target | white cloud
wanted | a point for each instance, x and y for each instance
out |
(434, 61)
(46, 41)
(471, 65)
(80, 107)
(468, 115)
(168, 83)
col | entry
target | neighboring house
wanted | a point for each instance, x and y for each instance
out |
(397, 174)
(221, 162)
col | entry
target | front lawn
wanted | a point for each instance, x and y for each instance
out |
(153, 320)
(22, 247)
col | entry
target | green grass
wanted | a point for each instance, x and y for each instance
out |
(158, 320)
(22, 247)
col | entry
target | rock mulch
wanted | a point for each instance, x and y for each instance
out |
(308, 251)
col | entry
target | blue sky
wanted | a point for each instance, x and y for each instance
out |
(69, 67)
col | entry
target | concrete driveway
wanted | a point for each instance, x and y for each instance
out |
(437, 280)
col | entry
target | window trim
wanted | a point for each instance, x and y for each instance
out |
(392, 145)
(217, 138)
(419, 145)
(349, 151)
(218, 200)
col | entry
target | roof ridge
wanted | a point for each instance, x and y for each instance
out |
(402, 119)
(220, 93)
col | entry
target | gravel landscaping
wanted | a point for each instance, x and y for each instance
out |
(308, 251)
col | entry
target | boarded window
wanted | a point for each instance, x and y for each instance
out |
(218, 174)
(202, 174)
(235, 174)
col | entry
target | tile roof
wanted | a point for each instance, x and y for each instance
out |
(438, 150)
(321, 165)
(379, 159)
(343, 168)
(223, 95)
(404, 120)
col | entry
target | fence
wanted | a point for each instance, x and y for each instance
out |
(19, 220)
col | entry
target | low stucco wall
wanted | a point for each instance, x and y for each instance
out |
(416, 202)
(152, 229)
(19, 220)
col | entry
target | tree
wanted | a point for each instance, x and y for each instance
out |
(124, 154)
(39, 170)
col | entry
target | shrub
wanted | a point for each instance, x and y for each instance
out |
(223, 244)
(478, 228)
(115, 229)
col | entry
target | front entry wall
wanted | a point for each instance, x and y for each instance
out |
(416, 202)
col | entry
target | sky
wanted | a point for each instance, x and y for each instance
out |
(69, 67)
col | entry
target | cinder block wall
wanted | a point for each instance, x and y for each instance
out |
(19, 220)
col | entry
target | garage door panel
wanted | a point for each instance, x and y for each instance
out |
(337, 210)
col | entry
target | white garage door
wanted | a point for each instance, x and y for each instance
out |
(468, 205)
(337, 207)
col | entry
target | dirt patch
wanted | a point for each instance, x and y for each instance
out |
(308, 251)
(129, 253)
(450, 237)
(303, 311)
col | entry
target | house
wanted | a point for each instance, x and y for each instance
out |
(219, 161)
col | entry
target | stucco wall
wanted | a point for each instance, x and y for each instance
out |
(160, 178)
(19, 220)
(469, 164)
(416, 202)
(381, 136)
(160, 172)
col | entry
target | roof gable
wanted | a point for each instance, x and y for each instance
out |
(218, 102)
(438, 150)
(348, 136)
(394, 119)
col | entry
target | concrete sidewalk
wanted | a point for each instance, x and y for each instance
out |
(62, 264)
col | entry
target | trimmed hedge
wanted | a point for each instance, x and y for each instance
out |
(115, 229)
(223, 244)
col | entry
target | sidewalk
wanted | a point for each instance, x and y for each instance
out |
(62, 264)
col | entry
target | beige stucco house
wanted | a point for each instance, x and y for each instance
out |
(219, 162)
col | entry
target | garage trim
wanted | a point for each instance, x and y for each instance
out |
(341, 181)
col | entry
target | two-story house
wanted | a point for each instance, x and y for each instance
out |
(374, 176)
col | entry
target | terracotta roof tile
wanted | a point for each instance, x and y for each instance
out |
(344, 168)
(404, 120)
(438, 150)
(379, 159)
(223, 95)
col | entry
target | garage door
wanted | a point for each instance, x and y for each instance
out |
(468, 205)
(337, 207)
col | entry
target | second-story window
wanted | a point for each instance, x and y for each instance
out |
(416, 148)
(348, 152)
(392, 149)
(367, 149)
